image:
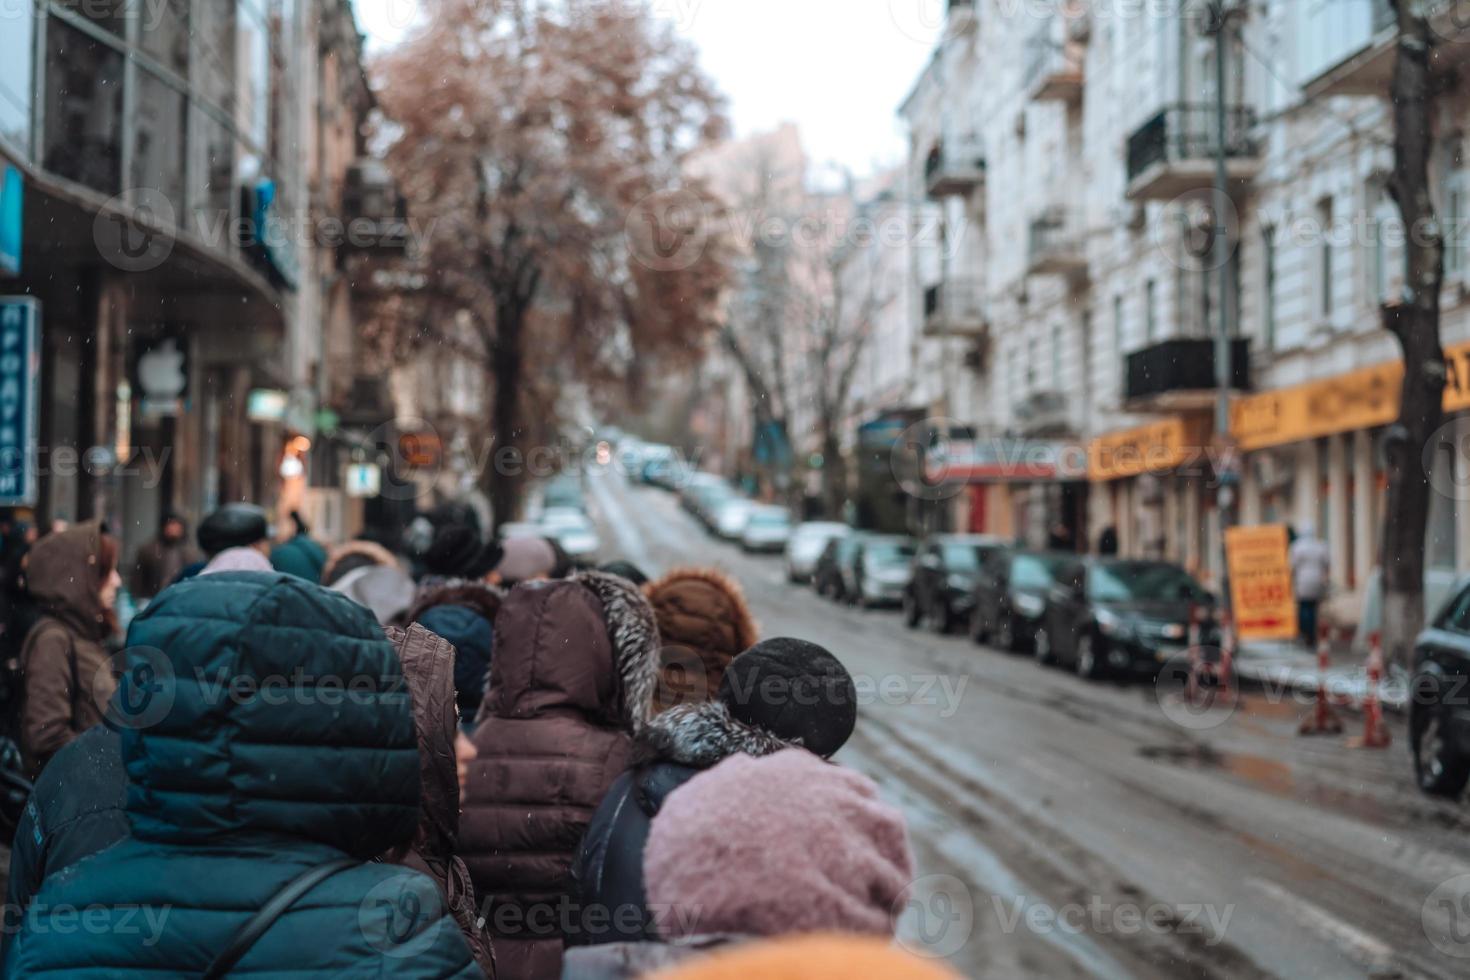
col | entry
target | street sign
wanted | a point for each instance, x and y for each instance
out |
(364, 480)
(1260, 582)
(20, 382)
(11, 193)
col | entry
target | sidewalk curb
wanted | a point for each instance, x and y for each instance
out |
(1345, 689)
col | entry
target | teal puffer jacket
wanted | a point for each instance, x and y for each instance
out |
(266, 729)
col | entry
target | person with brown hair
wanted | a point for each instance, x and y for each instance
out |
(72, 576)
(704, 623)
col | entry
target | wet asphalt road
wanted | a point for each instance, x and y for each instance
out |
(1069, 829)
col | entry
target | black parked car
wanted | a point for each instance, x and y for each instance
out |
(1011, 593)
(1439, 711)
(827, 576)
(1122, 616)
(879, 570)
(941, 589)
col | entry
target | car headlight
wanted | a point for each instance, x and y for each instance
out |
(1030, 606)
(1174, 631)
(1111, 624)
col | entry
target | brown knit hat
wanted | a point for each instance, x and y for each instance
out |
(704, 623)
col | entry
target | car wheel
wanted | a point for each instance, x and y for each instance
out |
(978, 633)
(1439, 771)
(1005, 633)
(911, 613)
(1088, 667)
(1041, 649)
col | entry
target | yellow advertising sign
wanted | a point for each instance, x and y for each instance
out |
(1153, 448)
(1357, 400)
(1260, 582)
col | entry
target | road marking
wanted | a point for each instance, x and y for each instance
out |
(1358, 944)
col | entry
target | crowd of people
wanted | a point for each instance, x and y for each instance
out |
(478, 762)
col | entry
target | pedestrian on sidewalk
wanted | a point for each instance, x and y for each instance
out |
(1311, 571)
(456, 600)
(72, 575)
(704, 623)
(571, 684)
(234, 794)
(161, 560)
(779, 694)
(758, 848)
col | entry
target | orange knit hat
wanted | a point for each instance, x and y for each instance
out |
(813, 957)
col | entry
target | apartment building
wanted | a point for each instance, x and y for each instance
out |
(1083, 206)
(179, 180)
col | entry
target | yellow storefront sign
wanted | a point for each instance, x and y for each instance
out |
(1360, 399)
(1153, 448)
(1260, 582)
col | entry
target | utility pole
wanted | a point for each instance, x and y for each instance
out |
(1217, 23)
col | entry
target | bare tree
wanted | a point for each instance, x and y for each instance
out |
(537, 141)
(1414, 320)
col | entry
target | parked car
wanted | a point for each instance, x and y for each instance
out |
(941, 589)
(1439, 713)
(731, 516)
(1121, 616)
(571, 529)
(807, 543)
(564, 491)
(1011, 593)
(827, 575)
(881, 565)
(766, 529)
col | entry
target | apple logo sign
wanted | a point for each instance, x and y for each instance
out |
(161, 371)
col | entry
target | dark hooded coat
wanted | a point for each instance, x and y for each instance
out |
(232, 793)
(464, 614)
(571, 683)
(68, 678)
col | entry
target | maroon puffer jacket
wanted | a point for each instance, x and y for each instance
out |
(575, 667)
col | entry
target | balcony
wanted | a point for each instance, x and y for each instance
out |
(374, 214)
(1369, 69)
(1174, 152)
(1056, 246)
(1180, 374)
(955, 309)
(954, 167)
(1042, 413)
(1053, 70)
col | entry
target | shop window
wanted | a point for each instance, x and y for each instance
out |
(83, 138)
(158, 139)
(16, 64)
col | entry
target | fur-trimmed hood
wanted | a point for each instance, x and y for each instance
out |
(633, 630)
(701, 735)
(704, 623)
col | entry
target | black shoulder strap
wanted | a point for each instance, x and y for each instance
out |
(272, 910)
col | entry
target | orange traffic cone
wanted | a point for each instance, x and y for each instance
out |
(1323, 720)
(1375, 734)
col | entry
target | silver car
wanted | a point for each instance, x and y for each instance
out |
(767, 529)
(805, 547)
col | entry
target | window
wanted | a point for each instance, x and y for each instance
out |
(1118, 326)
(16, 64)
(1456, 212)
(1324, 257)
(84, 87)
(1268, 301)
(158, 139)
(1457, 614)
(1056, 357)
(1032, 357)
(163, 34)
(1151, 311)
(1386, 249)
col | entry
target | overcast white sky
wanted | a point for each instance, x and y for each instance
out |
(837, 68)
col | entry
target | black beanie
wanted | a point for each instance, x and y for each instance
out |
(232, 526)
(457, 552)
(626, 570)
(795, 690)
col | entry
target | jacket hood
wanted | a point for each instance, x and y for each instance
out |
(587, 644)
(263, 705)
(300, 556)
(701, 735)
(385, 589)
(475, 596)
(704, 609)
(368, 552)
(428, 664)
(61, 576)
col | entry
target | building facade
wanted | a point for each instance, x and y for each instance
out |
(1072, 148)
